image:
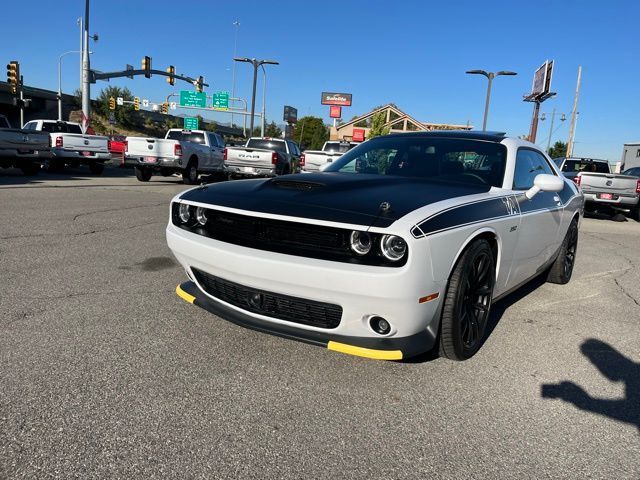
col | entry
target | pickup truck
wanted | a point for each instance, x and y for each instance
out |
(262, 157)
(189, 152)
(70, 146)
(22, 148)
(600, 187)
(315, 160)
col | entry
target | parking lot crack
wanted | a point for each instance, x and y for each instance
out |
(624, 290)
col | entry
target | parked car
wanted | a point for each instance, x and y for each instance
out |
(21, 148)
(69, 146)
(117, 146)
(400, 246)
(602, 188)
(262, 157)
(633, 172)
(315, 160)
(188, 152)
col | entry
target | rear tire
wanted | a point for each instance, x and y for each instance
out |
(30, 168)
(467, 303)
(143, 174)
(52, 165)
(562, 267)
(190, 174)
(96, 168)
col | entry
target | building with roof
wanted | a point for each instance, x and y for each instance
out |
(358, 128)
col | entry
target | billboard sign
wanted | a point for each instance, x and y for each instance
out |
(335, 111)
(358, 135)
(542, 79)
(332, 98)
(290, 114)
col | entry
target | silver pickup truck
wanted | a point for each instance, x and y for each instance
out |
(70, 146)
(189, 152)
(21, 148)
(601, 187)
(316, 160)
(262, 157)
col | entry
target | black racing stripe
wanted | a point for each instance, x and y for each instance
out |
(469, 213)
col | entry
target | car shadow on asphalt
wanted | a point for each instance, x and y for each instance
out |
(498, 309)
(616, 368)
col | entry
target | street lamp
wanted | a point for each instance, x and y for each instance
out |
(264, 94)
(233, 77)
(60, 81)
(543, 117)
(490, 76)
(256, 64)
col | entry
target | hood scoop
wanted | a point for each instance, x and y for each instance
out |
(299, 185)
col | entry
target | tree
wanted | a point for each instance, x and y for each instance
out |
(310, 132)
(123, 113)
(559, 149)
(272, 130)
(211, 126)
(377, 126)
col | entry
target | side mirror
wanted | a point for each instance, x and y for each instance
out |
(544, 183)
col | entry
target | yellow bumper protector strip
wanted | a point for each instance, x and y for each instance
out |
(365, 352)
(184, 295)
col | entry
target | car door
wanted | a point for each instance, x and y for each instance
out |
(541, 217)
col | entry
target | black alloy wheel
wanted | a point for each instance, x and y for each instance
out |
(465, 313)
(562, 268)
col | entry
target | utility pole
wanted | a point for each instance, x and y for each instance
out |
(533, 130)
(574, 114)
(86, 92)
(21, 101)
(233, 80)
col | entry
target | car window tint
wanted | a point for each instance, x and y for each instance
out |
(276, 145)
(586, 166)
(529, 164)
(634, 172)
(71, 128)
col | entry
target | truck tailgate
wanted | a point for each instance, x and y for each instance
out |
(18, 139)
(608, 183)
(82, 143)
(314, 159)
(142, 148)
(253, 157)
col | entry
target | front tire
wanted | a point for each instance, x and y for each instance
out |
(143, 174)
(467, 303)
(562, 268)
(190, 174)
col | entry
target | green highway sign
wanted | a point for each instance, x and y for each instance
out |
(190, 123)
(221, 100)
(190, 98)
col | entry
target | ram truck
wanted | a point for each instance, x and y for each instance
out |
(22, 148)
(262, 157)
(70, 146)
(188, 152)
(601, 187)
(316, 160)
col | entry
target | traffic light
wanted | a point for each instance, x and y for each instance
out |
(146, 66)
(112, 103)
(136, 103)
(165, 108)
(171, 71)
(199, 83)
(13, 76)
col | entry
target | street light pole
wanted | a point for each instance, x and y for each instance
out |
(490, 76)
(256, 64)
(264, 92)
(60, 82)
(233, 75)
(86, 102)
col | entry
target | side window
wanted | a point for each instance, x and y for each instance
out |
(529, 164)
(29, 126)
(220, 141)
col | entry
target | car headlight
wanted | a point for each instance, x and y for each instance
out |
(393, 248)
(184, 212)
(360, 242)
(201, 215)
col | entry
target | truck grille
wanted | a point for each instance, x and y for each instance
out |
(281, 307)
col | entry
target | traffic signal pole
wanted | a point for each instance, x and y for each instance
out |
(21, 102)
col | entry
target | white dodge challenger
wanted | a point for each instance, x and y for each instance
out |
(397, 248)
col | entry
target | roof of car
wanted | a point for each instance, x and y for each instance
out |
(466, 134)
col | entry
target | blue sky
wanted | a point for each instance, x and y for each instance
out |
(412, 53)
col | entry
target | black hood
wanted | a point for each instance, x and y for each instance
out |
(335, 197)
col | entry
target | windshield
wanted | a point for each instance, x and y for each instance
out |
(585, 166)
(186, 136)
(338, 147)
(448, 159)
(276, 145)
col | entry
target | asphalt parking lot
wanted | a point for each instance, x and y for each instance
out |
(105, 372)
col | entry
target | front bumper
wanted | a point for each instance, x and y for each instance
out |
(378, 349)
(361, 291)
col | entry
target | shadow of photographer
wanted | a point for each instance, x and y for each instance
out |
(617, 368)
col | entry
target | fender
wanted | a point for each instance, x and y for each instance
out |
(473, 236)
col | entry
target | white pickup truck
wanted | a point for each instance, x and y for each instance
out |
(69, 146)
(262, 157)
(315, 160)
(189, 152)
(600, 187)
(21, 148)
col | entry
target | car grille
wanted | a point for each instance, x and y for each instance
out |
(281, 307)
